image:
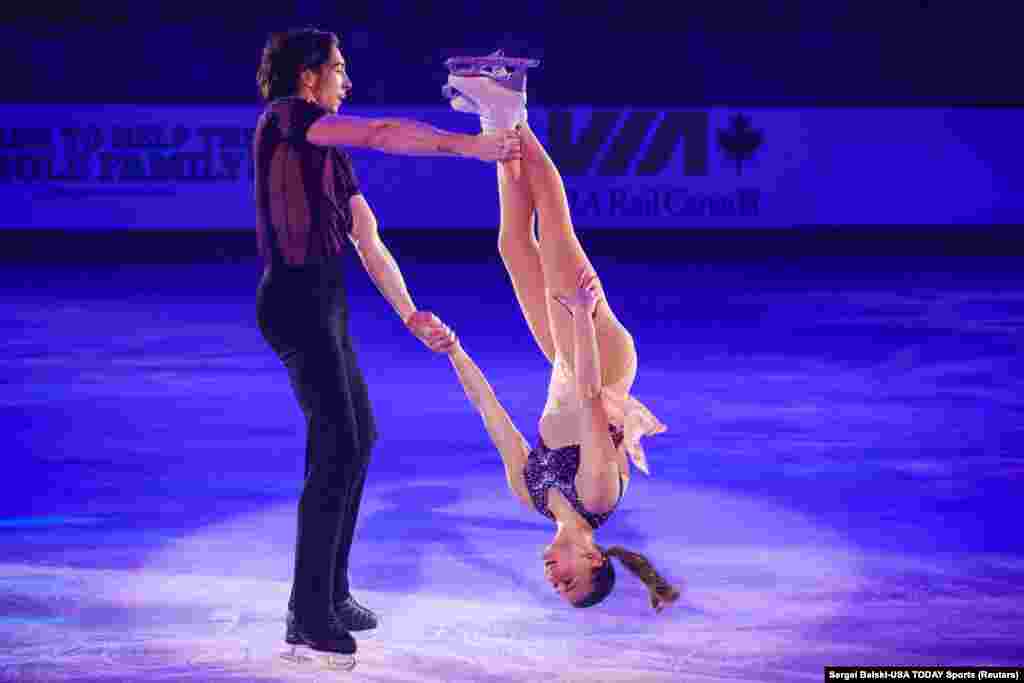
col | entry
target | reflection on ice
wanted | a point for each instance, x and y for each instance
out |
(460, 593)
(837, 486)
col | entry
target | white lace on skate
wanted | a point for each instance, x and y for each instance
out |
(486, 86)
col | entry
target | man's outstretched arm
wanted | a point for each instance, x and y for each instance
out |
(411, 138)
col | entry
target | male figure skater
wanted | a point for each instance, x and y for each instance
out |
(308, 200)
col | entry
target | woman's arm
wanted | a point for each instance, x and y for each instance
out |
(598, 484)
(598, 476)
(587, 357)
(510, 443)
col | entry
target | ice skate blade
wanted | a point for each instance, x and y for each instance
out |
(476, 62)
(305, 656)
(497, 68)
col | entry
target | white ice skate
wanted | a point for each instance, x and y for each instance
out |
(486, 86)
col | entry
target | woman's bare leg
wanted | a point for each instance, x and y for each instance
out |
(520, 253)
(561, 258)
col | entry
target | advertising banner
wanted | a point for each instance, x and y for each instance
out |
(189, 168)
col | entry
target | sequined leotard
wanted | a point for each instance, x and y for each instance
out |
(630, 421)
(546, 468)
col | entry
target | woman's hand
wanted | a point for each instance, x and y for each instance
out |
(586, 296)
(429, 329)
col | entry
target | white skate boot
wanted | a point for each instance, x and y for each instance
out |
(485, 86)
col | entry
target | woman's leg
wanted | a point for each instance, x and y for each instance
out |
(520, 253)
(562, 257)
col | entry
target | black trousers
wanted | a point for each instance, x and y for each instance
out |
(303, 315)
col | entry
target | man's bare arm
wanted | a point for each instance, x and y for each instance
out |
(410, 138)
(380, 265)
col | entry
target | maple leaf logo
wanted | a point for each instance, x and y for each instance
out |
(739, 141)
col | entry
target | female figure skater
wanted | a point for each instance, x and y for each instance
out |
(579, 471)
(308, 202)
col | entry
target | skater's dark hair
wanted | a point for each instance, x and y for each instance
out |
(661, 592)
(287, 54)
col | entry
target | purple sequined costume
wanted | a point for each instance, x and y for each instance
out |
(546, 468)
